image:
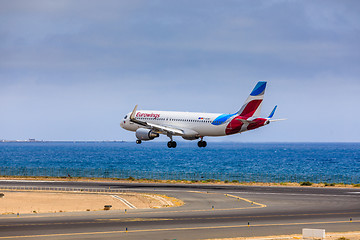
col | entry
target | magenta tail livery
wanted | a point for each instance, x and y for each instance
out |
(149, 124)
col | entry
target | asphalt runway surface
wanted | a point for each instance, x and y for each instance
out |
(210, 211)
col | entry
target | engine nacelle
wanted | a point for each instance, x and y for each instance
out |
(190, 134)
(145, 134)
(190, 137)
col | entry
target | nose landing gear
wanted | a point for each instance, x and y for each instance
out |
(138, 141)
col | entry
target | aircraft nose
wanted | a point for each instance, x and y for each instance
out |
(122, 123)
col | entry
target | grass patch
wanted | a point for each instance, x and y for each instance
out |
(329, 184)
(131, 178)
(211, 180)
(306, 183)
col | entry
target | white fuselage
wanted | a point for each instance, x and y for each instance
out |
(202, 123)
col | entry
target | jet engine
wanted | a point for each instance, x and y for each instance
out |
(190, 137)
(190, 134)
(145, 134)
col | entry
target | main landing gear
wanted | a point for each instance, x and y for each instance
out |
(171, 144)
(202, 143)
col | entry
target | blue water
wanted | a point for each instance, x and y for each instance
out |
(305, 159)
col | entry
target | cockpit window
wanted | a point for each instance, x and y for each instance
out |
(125, 117)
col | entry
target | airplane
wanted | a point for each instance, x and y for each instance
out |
(149, 124)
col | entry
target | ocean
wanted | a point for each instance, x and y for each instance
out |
(318, 162)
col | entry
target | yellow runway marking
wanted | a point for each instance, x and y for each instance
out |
(233, 196)
(134, 219)
(173, 229)
(246, 200)
(203, 192)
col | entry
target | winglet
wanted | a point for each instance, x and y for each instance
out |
(272, 112)
(132, 115)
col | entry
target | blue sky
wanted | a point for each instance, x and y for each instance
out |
(70, 70)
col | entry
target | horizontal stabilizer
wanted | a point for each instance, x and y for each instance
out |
(275, 120)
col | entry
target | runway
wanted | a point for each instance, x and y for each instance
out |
(210, 211)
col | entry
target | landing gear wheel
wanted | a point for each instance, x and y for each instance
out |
(138, 141)
(202, 143)
(171, 144)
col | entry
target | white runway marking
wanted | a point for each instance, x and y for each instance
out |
(161, 199)
(127, 203)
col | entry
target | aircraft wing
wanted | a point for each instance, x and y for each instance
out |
(166, 129)
(157, 128)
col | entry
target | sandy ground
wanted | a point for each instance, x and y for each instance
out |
(328, 236)
(45, 202)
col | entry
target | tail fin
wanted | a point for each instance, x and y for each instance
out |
(252, 105)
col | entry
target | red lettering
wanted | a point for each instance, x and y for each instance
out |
(149, 115)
